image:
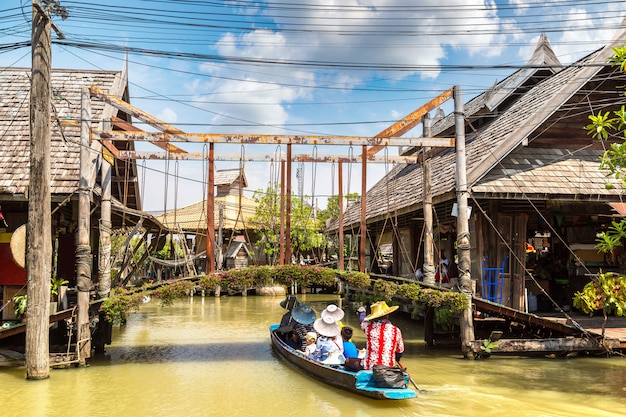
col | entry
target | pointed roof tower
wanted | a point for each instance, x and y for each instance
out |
(544, 55)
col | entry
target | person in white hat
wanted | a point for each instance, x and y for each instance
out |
(384, 343)
(327, 330)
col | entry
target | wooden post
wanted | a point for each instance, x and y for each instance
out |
(428, 268)
(463, 237)
(83, 246)
(220, 238)
(281, 244)
(39, 229)
(210, 216)
(340, 260)
(288, 209)
(104, 255)
(363, 240)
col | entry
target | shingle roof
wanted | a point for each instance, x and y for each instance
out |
(400, 191)
(66, 104)
(193, 216)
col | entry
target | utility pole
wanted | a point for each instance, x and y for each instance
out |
(462, 221)
(84, 283)
(39, 229)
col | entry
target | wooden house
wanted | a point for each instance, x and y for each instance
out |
(124, 200)
(232, 214)
(238, 254)
(533, 180)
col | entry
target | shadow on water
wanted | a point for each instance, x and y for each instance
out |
(206, 352)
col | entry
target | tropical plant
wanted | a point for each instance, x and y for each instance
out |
(612, 125)
(306, 230)
(55, 283)
(486, 348)
(607, 292)
(21, 304)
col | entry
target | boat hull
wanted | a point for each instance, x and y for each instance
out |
(360, 382)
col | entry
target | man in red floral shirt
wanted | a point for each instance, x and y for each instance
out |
(384, 340)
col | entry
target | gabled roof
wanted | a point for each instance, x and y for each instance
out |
(65, 130)
(235, 247)
(230, 176)
(193, 217)
(558, 170)
(542, 64)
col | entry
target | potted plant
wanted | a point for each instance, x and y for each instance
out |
(55, 283)
(21, 302)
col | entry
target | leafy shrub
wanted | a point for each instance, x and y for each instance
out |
(608, 292)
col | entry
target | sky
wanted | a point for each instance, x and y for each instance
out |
(299, 67)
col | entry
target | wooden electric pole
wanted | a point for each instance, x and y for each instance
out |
(462, 228)
(39, 230)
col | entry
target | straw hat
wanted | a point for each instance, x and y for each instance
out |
(380, 309)
(303, 314)
(326, 326)
(333, 311)
(18, 245)
(311, 336)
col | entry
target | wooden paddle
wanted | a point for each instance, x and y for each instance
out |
(409, 375)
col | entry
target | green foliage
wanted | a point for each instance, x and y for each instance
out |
(385, 289)
(444, 317)
(304, 276)
(410, 291)
(121, 301)
(611, 125)
(306, 230)
(166, 294)
(55, 283)
(332, 207)
(607, 293)
(455, 301)
(487, 347)
(119, 304)
(21, 304)
(210, 281)
(356, 279)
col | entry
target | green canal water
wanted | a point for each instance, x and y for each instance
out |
(212, 357)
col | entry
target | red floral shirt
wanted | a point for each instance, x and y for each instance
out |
(383, 341)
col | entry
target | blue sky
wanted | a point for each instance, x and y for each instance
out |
(342, 67)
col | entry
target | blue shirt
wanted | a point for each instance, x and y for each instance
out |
(350, 350)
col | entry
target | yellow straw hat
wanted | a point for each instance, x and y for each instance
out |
(380, 309)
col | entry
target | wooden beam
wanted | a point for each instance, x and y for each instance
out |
(196, 156)
(139, 136)
(139, 114)
(411, 120)
(563, 344)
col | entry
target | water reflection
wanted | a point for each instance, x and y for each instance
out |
(212, 357)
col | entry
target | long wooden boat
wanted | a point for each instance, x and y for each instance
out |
(360, 382)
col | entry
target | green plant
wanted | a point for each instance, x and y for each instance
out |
(444, 317)
(607, 292)
(55, 283)
(21, 303)
(168, 293)
(359, 280)
(385, 289)
(486, 348)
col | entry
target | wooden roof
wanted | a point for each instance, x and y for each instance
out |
(192, 218)
(65, 132)
(535, 143)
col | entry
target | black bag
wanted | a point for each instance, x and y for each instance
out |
(388, 377)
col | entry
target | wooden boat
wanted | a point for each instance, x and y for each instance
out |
(360, 382)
